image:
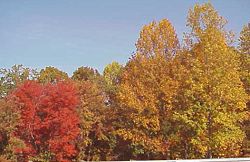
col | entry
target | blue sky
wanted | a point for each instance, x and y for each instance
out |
(68, 34)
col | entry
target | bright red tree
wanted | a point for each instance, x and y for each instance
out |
(49, 122)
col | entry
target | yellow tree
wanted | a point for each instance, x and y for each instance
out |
(211, 103)
(147, 86)
(158, 39)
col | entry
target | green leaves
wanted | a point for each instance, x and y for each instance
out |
(10, 78)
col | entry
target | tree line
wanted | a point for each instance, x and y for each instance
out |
(172, 100)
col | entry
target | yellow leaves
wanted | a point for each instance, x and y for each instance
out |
(126, 135)
(211, 100)
(192, 97)
(202, 17)
(228, 142)
(158, 39)
(200, 145)
(138, 138)
(148, 86)
(151, 123)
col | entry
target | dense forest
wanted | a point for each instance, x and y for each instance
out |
(173, 99)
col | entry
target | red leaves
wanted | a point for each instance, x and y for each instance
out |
(49, 121)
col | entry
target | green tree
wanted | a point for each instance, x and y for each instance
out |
(111, 75)
(10, 78)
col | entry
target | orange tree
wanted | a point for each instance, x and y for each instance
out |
(147, 86)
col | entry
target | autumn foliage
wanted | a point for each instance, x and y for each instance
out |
(172, 100)
(49, 123)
